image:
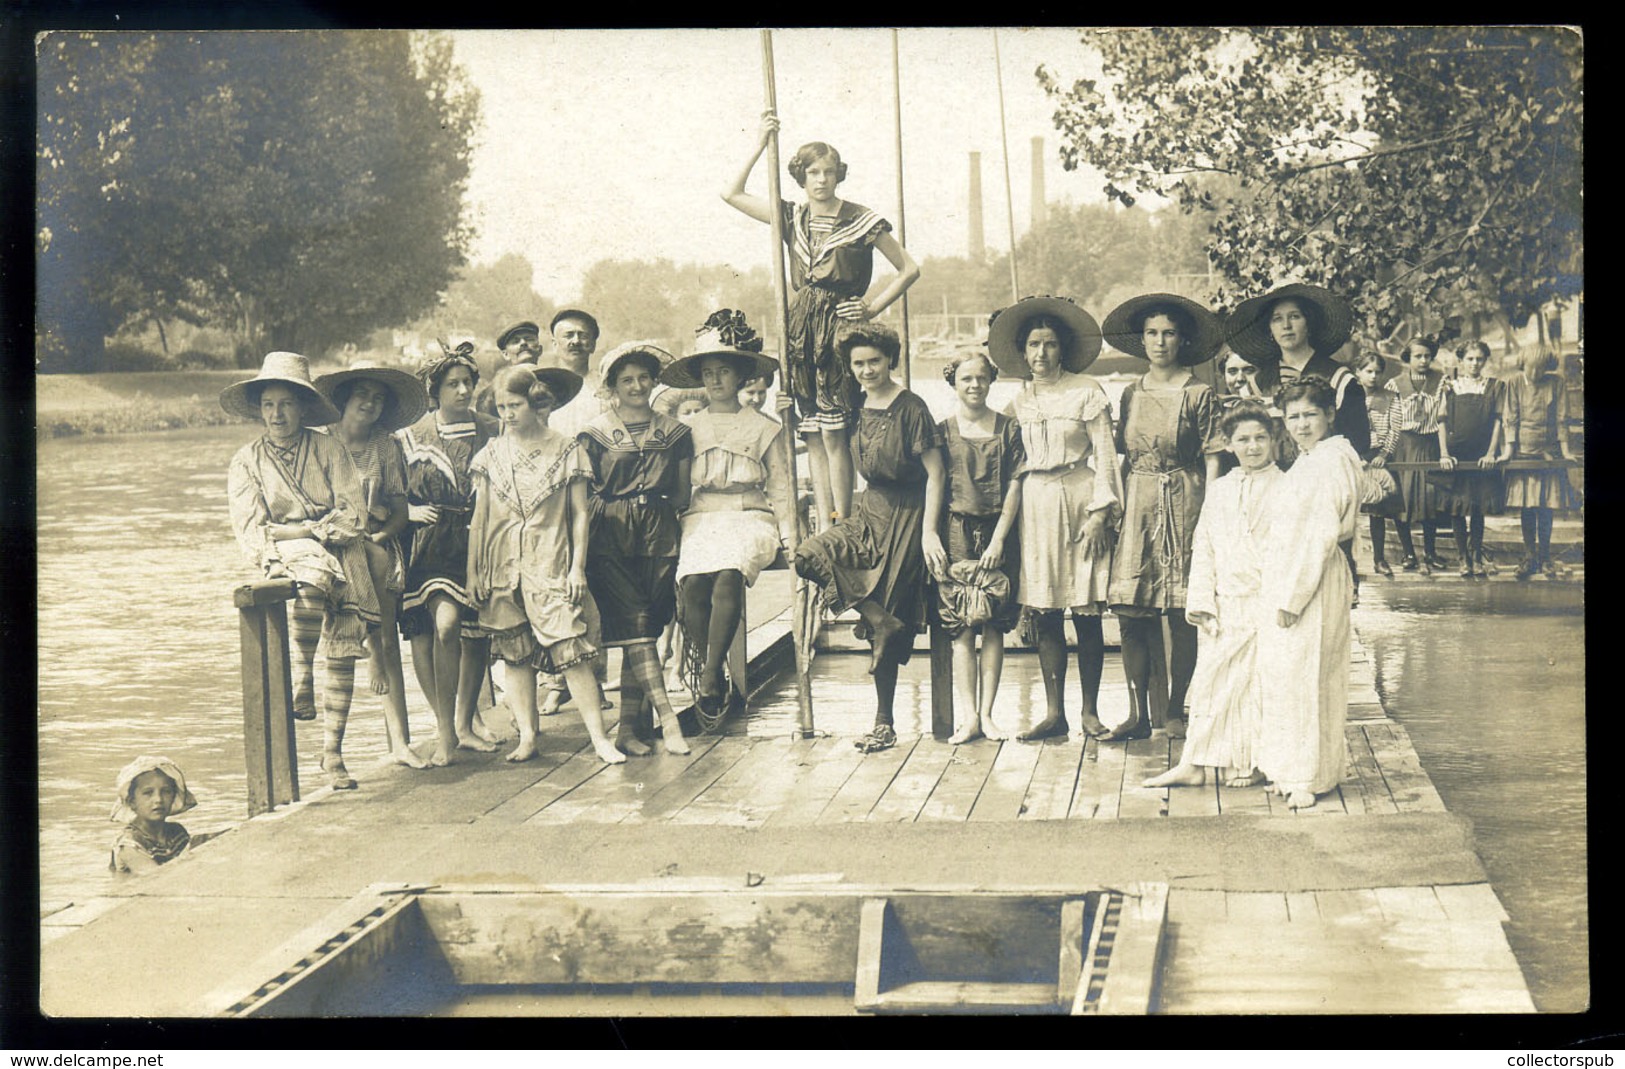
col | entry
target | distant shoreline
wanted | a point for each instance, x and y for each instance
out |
(132, 402)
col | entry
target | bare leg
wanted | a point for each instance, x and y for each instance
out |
(448, 655)
(1051, 635)
(840, 471)
(992, 666)
(474, 657)
(823, 500)
(386, 645)
(582, 681)
(522, 702)
(966, 681)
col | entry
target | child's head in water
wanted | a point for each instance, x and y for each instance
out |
(1250, 431)
(753, 394)
(151, 790)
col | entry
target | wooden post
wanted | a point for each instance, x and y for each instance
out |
(942, 680)
(800, 599)
(1009, 198)
(269, 753)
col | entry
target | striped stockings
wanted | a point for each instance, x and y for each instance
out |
(642, 661)
(338, 674)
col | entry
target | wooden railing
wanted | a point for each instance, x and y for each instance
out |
(268, 737)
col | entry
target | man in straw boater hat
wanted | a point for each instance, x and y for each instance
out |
(1167, 431)
(299, 512)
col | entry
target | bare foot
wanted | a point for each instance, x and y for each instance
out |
(444, 753)
(1175, 727)
(403, 755)
(1178, 776)
(1134, 729)
(1092, 727)
(630, 743)
(475, 743)
(524, 751)
(552, 702)
(610, 755)
(992, 731)
(1300, 800)
(1047, 728)
(380, 685)
(477, 725)
(972, 730)
(1248, 779)
(671, 736)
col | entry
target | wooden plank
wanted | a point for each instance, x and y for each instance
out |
(1329, 804)
(834, 759)
(581, 767)
(526, 803)
(1007, 782)
(1074, 915)
(964, 996)
(961, 782)
(1200, 801)
(993, 938)
(1301, 906)
(871, 945)
(1412, 790)
(696, 778)
(1260, 907)
(1357, 906)
(1470, 902)
(725, 801)
(1410, 903)
(1054, 781)
(913, 784)
(1188, 905)
(613, 794)
(867, 783)
(1143, 758)
(256, 707)
(796, 763)
(1132, 975)
(1100, 783)
(1365, 791)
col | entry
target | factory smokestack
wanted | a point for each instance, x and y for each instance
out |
(978, 247)
(1040, 207)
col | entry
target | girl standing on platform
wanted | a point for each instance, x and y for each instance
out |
(1071, 494)
(375, 402)
(1384, 436)
(1415, 411)
(1536, 422)
(1303, 658)
(1469, 448)
(449, 651)
(731, 530)
(640, 462)
(832, 244)
(985, 457)
(1168, 436)
(527, 550)
(876, 560)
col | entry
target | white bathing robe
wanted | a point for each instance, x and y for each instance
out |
(1228, 559)
(1305, 668)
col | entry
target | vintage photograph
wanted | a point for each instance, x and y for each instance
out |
(841, 522)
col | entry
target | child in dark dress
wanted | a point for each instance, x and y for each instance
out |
(1469, 449)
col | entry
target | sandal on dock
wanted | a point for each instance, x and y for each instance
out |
(883, 737)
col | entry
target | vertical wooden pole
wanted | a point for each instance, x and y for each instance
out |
(279, 674)
(256, 710)
(1009, 198)
(804, 715)
(269, 756)
(902, 226)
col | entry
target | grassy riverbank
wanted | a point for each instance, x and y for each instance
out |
(130, 402)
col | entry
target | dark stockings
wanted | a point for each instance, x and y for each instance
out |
(1537, 533)
(1379, 553)
(1142, 652)
(712, 604)
(1405, 542)
(884, 633)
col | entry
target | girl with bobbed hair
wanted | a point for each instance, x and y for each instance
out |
(1303, 658)
(1418, 403)
(1470, 446)
(832, 244)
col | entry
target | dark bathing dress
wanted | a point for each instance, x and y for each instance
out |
(437, 462)
(980, 471)
(831, 260)
(1469, 431)
(633, 534)
(875, 553)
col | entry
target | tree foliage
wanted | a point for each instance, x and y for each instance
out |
(486, 299)
(303, 188)
(1419, 170)
(666, 301)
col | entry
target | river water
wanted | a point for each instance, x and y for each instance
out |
(138, 653)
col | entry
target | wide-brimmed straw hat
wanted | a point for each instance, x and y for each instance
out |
(1125, 336)
(1247, 329)
(1005, 329)
(283, 369)
(725, 334)
(523, 329)
(410, 402)
(610, 366)
(561, 382)
(148, 763)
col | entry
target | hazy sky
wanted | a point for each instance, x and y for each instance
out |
(618, 143)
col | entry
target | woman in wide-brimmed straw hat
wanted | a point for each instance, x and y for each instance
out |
(1168, 436)
(731, 530)
(299, 511)
(640, 461)
(374, 402)
(1071, 495)
(437, 616)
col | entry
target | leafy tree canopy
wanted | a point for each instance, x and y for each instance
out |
(1419, 170)
(302, 188)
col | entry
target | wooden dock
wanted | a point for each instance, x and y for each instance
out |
(1371, 902)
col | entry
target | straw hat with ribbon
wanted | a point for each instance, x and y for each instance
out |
(1125, 327)
(1247, 329)
(725, 334)
(647, 352)
(1005, 328)
(127, 777)
(279, 369)
(409, 399)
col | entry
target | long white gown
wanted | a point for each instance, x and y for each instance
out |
(1305, 668)
(1228, 559)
